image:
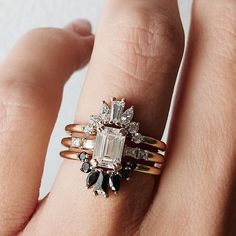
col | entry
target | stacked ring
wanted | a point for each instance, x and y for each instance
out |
(110, 148)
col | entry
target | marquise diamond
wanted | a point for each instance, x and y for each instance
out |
(127, 116)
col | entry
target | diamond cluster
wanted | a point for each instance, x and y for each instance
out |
(114, 115)
(112, 125)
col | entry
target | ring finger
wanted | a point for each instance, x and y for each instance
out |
(136, 56)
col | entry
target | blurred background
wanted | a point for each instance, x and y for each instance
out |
(19, 16)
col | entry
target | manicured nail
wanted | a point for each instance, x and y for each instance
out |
(80, 26)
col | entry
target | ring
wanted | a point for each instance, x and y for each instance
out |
(111, 147)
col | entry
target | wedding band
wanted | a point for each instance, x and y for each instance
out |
(137, 137)
(110, 148)
(139, 167)
(83, 144)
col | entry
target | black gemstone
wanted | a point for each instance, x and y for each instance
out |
(101, 186)
(114, 182)
(85, 167)
(105, 184)
(92, 178)
(125, 172)
(83, 156)
(131, 164)
(98, 184)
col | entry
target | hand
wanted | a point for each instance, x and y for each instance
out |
(137, 53)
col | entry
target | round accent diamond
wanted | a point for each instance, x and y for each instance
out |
(133, 127)
(137, 138)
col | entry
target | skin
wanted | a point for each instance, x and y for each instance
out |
(136, 55)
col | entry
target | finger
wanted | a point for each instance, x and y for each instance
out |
(80, 26)
(136, 56)
(196, 184)
(31, 83)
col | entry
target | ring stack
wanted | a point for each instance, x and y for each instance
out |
(110, 147)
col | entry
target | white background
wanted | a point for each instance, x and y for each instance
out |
(19, 16)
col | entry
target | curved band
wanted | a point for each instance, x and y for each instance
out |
(147, 169)
(79, 128)
(154, 143)
(83, 144)
(139, 167)
(75, 128)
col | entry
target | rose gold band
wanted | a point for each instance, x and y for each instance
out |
(77, 128)
(73, 155)
(147, 169)
(68, 142)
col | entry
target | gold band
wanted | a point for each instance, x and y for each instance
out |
(147, 169)
(77, 128)
(72, 155)
(83, 144)
(154, 143)
(155, 157)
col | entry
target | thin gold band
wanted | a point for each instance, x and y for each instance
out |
(67, 142)
(139, 168)
(77, 128)
(147, 169)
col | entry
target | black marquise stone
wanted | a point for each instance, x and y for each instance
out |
(86, 167)
(105, 184)
(114, 182)
(83, 156)
(92, 178)
(99, 182)
(102, 185)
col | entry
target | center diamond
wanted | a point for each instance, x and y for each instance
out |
(109, 147)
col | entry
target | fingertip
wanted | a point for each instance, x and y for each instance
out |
(81, 27)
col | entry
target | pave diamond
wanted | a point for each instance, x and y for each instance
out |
(117, 108)
(109, 147)
(142, 154)
(76, 142)
(136, 153)
(95, 120)
(88, 144)
(137, 138)
(88, 129)
(133, 127)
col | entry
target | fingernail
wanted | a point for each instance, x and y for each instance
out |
(80, 26)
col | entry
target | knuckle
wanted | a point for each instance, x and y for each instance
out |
(140, 41)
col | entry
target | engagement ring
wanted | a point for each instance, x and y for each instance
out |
(110, 147)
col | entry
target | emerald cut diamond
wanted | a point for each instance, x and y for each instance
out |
(109, 147)
(117, 108)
